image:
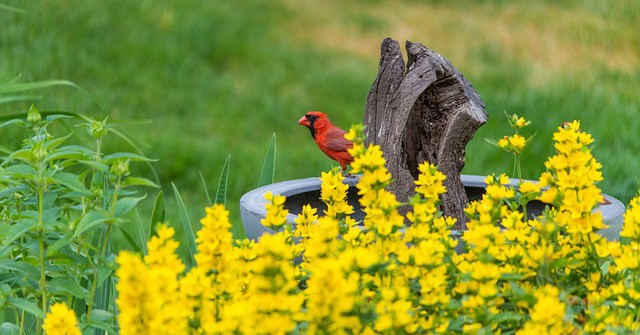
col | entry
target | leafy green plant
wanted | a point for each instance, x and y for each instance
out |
(60, 204)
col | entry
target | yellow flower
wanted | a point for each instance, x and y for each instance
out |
(276, 216)
(520, 122)
(214, 239)
(514, 144)
(529, 187)
(303, 221)
(517, 142)
(631, 227)
(429, 183)
(132, 294)
(334, 193)
(547, 315)
(149, 300)
(61, 320)
(331, 299)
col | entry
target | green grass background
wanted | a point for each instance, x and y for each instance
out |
(195, 81)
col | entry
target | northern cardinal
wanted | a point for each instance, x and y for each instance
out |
(329, 138)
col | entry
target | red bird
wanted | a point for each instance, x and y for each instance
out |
(329, 138)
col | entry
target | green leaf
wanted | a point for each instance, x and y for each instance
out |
(71, 181)
(127, 155)
(125, 205)
(26, 269)
(221, 191)
(186, 225)
(12, 122)
(27, 306)
(101, 315)
(142, 236)
(269, 166)
(138, 181)
(604, 268)
(9, 191)
(101, 319)
(204, 186)
(129, 239)
(52, 117)
(103, 274)
(19, 229)
(88, 222)
(60, 243)
(507, 317)
(511, 276)
(97, 165)
(157, 214)
(11, 88)
(23, 154)
(9, 328)
(68, 285)
(54, 143)
(75, 152)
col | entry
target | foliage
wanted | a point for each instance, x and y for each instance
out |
(552, 274)
(61, 204)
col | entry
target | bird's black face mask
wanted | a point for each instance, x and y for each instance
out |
(312, 128)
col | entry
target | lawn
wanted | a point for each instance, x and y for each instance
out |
(196, 81)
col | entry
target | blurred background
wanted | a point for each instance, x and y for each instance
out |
(195, 81)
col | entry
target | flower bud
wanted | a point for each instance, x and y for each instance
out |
(120, 167)
(97, 128)
(39, 151)
(33, 116)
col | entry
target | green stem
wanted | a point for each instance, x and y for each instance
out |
(22, 322)
(43, 279)
(103, 250)
(518, 168)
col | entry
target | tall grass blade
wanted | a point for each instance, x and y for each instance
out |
(14, 98)
(21, 87)
(157, 214)
(186, 225)
(269, 166)
(12, 88)
(206, 189)
(142, 236)
(221, 191)
(105, 299)
(12, 9)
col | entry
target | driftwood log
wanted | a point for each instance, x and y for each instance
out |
(426, 111)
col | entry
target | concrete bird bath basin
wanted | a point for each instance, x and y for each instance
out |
(300, 192)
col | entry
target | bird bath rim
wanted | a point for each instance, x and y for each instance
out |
(252, 203)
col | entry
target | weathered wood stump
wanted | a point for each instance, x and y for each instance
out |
(426, 112)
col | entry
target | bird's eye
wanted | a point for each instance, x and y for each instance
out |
(311, 118)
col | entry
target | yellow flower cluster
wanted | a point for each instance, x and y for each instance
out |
(379, 205)
(333, 194)
(61, 320)
(276, 215)
(395, 274)
(514, 143)
(148, 297)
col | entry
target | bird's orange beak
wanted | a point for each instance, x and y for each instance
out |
(304, 121)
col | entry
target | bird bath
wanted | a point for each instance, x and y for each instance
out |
(300, 192)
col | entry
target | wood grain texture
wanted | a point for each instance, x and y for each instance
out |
(425, 110)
